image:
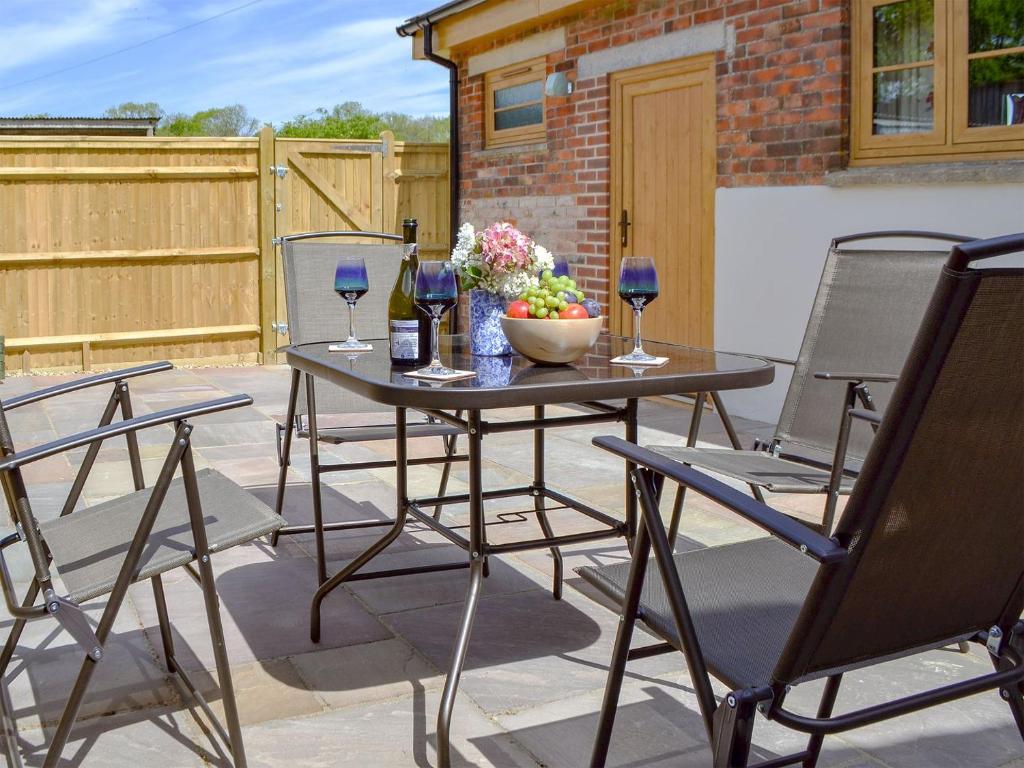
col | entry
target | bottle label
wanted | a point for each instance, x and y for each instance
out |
(409, 250)
(405, 339)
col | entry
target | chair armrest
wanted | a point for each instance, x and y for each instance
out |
(99, 434)
(796, 534)
(861, 413)
(89, 381)
(847, 376)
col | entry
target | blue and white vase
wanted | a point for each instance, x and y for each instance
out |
(485, 334)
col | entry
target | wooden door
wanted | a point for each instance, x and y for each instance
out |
(663, 188)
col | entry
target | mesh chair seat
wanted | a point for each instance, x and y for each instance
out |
(774, 473)
(89, 546)
(744, 599)
(368, 434)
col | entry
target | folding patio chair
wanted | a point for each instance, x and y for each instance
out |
(929, 550)
(316, 313)
(101, 550)
(867, 309)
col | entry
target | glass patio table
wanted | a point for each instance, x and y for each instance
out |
(606, 392)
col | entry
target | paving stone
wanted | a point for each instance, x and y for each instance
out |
(264, 608)
(154, 738)
(397, 732)
(403, 593)
(360, 674)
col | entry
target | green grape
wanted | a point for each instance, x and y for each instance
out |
(546, 274)
(572, 285)
(542, 312)
(579, 296)
(563, 305)
(551, 301)
(553, 315)
(560, 295)
(533, 310)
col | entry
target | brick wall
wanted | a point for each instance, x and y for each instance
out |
(782, 117)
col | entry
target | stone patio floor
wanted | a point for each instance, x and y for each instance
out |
(367, 695)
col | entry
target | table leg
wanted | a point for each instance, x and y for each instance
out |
(477, 542)
(314, 479)
(401, 484)
(538, 500)
(632, 435)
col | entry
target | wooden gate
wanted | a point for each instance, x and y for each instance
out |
(114, 251)
(324, 185)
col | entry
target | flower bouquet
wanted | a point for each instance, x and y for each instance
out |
(495, 265)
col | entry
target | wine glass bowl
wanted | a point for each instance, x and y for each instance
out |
(436, 292)
(638, 287)
(351, 283)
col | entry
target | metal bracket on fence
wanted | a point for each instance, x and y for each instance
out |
(279, 170)
(281, 328)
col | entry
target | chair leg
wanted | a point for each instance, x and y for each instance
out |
(828, 700)
(285, 449)
(620, 651)
(733, 729)
(227, 690)
(71, 707)
(165, 625)
(538, 502)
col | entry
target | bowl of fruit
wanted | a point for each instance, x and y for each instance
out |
(552, 323)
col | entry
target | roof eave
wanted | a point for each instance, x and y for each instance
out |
(416, 23)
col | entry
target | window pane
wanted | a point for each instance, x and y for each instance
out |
(996, 96)
(518, 117)
(904, 32)
(518, 94)
(904, 101)
(995, 24)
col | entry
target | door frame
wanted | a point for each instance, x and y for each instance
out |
(702, 67)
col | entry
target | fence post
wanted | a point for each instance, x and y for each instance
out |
(389, 182)
(268, 251)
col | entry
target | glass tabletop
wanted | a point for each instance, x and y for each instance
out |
(513, 380)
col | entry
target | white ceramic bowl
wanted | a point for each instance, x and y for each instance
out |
(551, 342)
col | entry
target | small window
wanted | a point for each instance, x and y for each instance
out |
(937, 79)
(514, 107)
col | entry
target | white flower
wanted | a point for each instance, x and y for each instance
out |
(542, 258)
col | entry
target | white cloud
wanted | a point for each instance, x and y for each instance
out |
(58, 27)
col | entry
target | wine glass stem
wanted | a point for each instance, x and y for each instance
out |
(351, 321)
(435, 357)
(637, 347)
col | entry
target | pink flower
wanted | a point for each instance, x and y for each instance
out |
(504, 248)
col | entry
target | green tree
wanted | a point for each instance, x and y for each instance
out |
(135, 109)
(351, 120)
(233, 120)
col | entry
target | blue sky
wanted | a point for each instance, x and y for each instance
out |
(279, 58)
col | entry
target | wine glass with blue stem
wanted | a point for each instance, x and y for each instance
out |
(638, 287)
(436, 292)
(351, 282)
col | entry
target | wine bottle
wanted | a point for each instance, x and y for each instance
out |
(408, 326)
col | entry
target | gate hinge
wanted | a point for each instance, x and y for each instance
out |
(281, 328)
(279, 170)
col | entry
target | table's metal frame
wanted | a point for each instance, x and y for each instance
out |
(476, 545)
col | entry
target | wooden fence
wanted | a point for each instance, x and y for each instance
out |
(115, 251)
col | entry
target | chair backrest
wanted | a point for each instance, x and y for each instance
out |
(935, 525)
(317, 313)
(866, 312)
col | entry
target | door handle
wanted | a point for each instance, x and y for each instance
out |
(625, 224)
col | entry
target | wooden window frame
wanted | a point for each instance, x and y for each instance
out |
(950, 139)
(506, 77)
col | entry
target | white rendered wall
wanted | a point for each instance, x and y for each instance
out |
(770, 245)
